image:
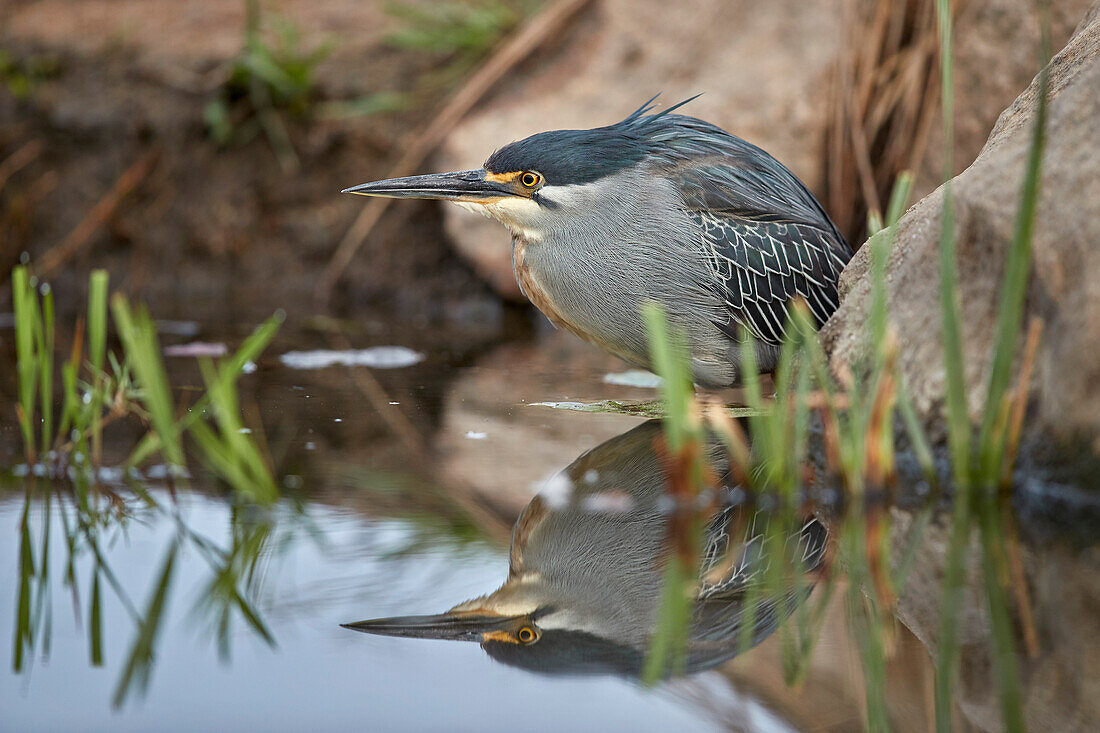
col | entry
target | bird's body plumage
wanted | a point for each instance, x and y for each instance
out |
(660, 208)
(588, 562)
(740, 237)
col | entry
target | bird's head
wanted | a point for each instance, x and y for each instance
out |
(520, 626)
(536, 637)
(515, 614)
(538, 183)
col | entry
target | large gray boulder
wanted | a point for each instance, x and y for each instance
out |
(1064, 288)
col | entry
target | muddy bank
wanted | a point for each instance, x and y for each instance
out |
(229, 230)
(209, 228)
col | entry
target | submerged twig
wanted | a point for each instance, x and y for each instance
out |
(58, 255)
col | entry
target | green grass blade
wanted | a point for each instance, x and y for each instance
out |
(139, 339)
(97, 319)
(958, 422)
(760, 424)
(45, 368)
(233, 455)
(25, 304)
(668, 351)
(668, 645)
(141, 653)
(24, 633)
(70, 400)
(1014, 285)
(95, 623)
(882, 243)
(951, 601)
(226, 407)
(994, 562)
(917, 438)
(43, 606)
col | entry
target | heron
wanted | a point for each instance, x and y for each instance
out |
(658, 208)
(586, 569)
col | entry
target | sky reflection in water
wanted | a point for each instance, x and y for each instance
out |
(319, 676)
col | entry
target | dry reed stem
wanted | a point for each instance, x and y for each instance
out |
(21, 158)
(1018, 582)
(878, 466)
(875, 527)
(883, 103)
(1019, 404)
(736, 440)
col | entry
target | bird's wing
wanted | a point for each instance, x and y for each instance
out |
(765, 239)
(734, 556)
(732, 588)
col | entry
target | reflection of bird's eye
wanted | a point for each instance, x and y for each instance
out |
(526, 635)
(530, 179)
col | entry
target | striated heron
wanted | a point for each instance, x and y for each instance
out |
(660, 208)
(587, 567)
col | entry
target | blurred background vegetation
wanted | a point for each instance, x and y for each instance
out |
(197, 154)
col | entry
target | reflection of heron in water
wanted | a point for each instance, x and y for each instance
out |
(586, 571)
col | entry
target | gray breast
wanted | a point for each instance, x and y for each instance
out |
(634, 244)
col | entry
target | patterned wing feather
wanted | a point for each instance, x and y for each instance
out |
(760, 266)
(765, 238)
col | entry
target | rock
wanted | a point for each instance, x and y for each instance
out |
(1063, 290)
(1061, 683)
(759, 65)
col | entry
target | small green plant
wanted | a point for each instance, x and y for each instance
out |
(449, 27)
(21, 77)
(137, 386)
(461, 32)
(265, 81)
(98, 388)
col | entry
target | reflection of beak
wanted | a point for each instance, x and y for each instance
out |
(470, 186)
(454, 626)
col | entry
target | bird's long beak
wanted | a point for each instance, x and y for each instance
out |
(456, 626)
(473, 186)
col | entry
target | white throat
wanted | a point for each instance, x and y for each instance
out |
(521, 216)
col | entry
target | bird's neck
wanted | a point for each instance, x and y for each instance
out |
(532, 282)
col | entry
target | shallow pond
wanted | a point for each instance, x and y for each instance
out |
(403, 473)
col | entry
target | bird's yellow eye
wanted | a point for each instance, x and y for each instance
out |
(530, 179)
(526, 634)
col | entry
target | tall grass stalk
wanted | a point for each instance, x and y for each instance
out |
(1010, 310)
(97, 348)
(958, 422)
(44, 343)
(27, 326)
(684, 463)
